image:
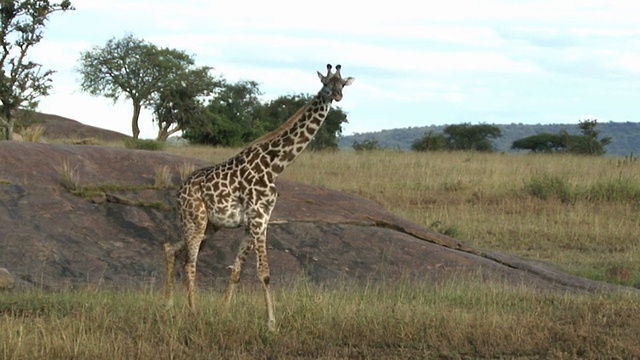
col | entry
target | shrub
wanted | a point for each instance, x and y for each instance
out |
(366, 145)
(430, 142)
(143, 144)
(620, 189)
(549, 186)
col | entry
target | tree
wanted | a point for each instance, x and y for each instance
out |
(22, 81)
(280, 109)
(545, 142)
(131, 67)
(326, 137)
(588, 143)
(231, 118)
(367, 145)
(471, 137)
(430, 142)
(179, 105)
(459, 137)
(585, 144)
(235, 116)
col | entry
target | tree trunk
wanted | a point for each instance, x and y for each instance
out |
(134, 120)
(165, 132)
(163, 135)
(6, 126)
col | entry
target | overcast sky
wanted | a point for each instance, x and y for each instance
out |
(415, 63)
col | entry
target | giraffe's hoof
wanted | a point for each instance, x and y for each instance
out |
(271, 325)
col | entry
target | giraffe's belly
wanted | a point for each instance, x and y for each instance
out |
(231, 218)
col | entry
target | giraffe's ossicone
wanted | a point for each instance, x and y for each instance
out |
(241, 192)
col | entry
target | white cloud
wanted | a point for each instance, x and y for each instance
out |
(459, 59)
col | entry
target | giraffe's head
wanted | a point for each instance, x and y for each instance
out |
(333, 83)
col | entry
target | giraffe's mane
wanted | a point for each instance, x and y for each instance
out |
(286, 125)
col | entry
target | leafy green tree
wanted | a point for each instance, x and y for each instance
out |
(235, 116)
(430, 142)
(459, 137)
(280, 109)
(588, 143)
(585, 144)
(326, 138)
(471, 137)
(231, 118)
(22, 81)
(179, 104)
(544, 143)
(131, 67)
(366, 145)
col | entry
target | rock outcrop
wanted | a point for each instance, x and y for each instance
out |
(112, 235)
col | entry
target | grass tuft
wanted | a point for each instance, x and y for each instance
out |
(33, 133)
(549, 186)
(163, 178)
(185, 169)
(69, 175)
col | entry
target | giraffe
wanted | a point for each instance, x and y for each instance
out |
(241, 192)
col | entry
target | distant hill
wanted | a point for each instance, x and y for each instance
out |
(58, 127)
(625, 136)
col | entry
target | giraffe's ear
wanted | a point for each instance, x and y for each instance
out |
(348, 81)
(320, 76)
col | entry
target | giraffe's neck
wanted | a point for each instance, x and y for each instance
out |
(287, 142)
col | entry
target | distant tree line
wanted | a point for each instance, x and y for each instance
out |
(207, 109)
(467, 137)
(459, 137)
(184, 97)
(235, 116)
(586, 144)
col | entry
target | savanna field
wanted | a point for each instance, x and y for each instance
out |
(581, 214)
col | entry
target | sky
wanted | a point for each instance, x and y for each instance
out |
(414, 63)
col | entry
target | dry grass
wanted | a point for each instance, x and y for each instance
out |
(185, 169)
(69, 175)
(162, 179)
(454, 319)
(578, 212)
(33, 133)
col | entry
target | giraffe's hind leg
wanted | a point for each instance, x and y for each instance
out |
(264, 277)
(170, 252)
(259, 233)
(193, 240)
(236, 268)
(193, 218)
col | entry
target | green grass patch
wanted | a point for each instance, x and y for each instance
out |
(619, 189)
(143, 144)
(89, 191)
(549, 186)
